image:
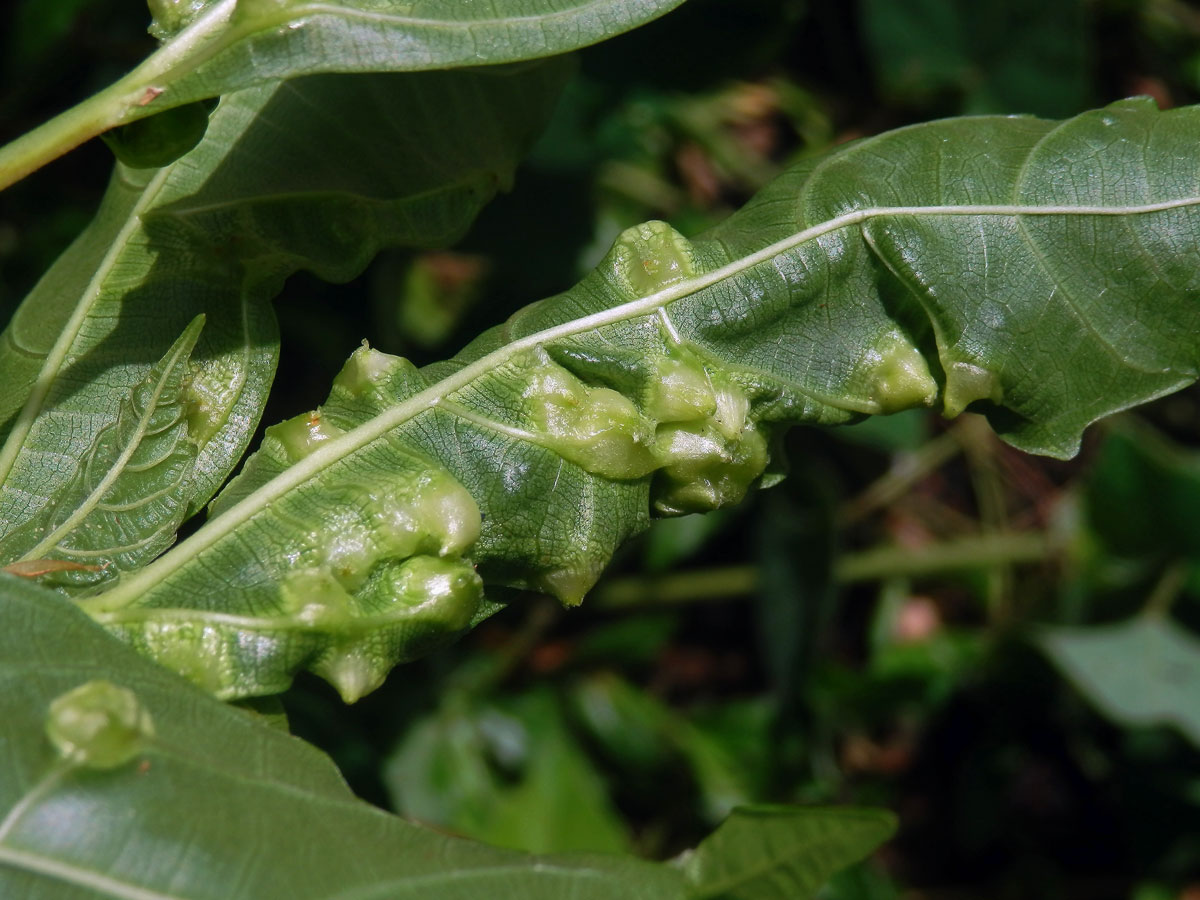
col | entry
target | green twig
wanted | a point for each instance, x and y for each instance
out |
(1166, 590)
(908, 469)
(964, 554)
(979, 447)
(63, 133)
(138, 94)
(730, 582)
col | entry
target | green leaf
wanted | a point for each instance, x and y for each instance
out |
(769, 852)
(1002, 56)
(1143, 494)
(213, 802)
(124, 502)
(213, 48)
(1046, 271)
(1145, 671)
(284, 180)
(229, 45)
(646, 736)
(507, 773)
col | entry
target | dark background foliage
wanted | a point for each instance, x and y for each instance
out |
(901, 622)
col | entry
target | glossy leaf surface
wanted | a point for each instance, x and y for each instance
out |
(229, 45)
(270, 190)
(216, 802)
(1044, 271)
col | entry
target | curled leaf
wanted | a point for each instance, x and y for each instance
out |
(995, 262)
(161, 139)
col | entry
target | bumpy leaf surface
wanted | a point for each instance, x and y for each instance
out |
(123, 504)
(1045, 271)
(316, 173)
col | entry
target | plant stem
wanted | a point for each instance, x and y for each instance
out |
(126, 99)
(979, 446)
(63, 133)
(966, 553)
(908, 469)
(697, 586)
(711, 585)
(1166, 590)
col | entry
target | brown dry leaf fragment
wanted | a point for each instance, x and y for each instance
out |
(32, 568)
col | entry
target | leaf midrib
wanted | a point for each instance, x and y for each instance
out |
(331, 452)
(48, 867)
(213, 32)
(300, 10)
(118, 468)
(52, 367)
(121, 890)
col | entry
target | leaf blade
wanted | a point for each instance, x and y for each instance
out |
(136, 468)
(249, 788)
(656, 379)
(760, 853)
(230, 46)
(1140, 672)
(265, 194)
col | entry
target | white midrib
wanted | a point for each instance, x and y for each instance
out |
(215, 29)
(84, 509)
(52, 366)
(299, 10)
(76, 875)
(182, 53)
(132, 586)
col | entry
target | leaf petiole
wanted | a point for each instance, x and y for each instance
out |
(134, 96)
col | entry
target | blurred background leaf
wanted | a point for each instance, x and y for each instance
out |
(509, 773)
(1142, 672)
(1020, 56)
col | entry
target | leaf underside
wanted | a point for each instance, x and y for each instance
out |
(1044, 272)
(215, 234)
(221, 46)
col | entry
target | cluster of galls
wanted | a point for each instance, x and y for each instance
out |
(692, 432)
